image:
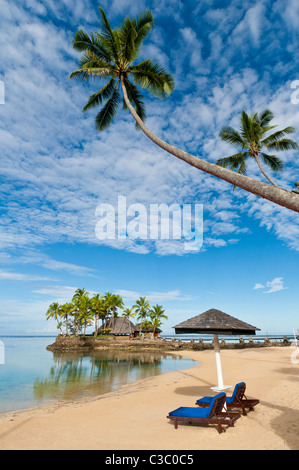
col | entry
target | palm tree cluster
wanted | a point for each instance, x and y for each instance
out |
(84, 311)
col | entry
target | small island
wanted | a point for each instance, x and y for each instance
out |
(111, 322)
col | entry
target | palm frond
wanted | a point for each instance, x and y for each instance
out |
(108, 37)
(83, 42)
(266, 129)
(126, 35)
(83, 75)
(135, 98)
(265, 117)
(230, 135)
(88, 59)
(283, 144)
(143, 25)
(245, 127)
(152, 77)
(242, 170)
(273, 162)
(105, 117)
(250, 129)
(97, 98)
(278, 135)
(234, 161)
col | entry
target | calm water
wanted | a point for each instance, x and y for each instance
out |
(31, 375)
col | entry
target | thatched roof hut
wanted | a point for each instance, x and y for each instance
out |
(215, 322)
(119, 326)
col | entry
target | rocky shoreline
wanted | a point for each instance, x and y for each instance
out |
(75, 343)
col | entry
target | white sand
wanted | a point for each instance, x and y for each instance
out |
(135, 417)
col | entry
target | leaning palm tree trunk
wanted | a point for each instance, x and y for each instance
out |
(263, 171)
(280, 196)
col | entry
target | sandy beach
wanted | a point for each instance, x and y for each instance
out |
(134, 418)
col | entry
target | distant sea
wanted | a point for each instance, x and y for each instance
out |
(31, 375)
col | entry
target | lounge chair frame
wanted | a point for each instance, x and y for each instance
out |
(218, 416)
(240, 401)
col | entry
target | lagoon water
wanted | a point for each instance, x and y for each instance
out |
(31, 375)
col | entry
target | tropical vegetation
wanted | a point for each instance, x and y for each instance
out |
(111, 54)
(251, 141)
(87, 311)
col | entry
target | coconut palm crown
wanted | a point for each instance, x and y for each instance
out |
(252, 139)
(111, 55)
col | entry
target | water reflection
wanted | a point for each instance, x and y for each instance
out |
(75, 376)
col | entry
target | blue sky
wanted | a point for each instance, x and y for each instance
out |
(56, 169)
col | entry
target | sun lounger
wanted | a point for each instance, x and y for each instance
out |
(237, 400)
(214, 414)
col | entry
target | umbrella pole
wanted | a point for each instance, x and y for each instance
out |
(220, 387)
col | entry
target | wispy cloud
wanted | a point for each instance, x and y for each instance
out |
(59, 293)
(36, 258)
(13, 276)
(154, 296)
(68, 173)
(275, 285)
(259, 286)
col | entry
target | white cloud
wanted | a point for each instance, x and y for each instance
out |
(12, 276)
(60, 294)
(275, 285)
(166, 296)
(154, 296)
(69, 173)
(259, 286)
(251, 26)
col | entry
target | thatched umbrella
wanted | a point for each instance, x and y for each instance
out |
(216, 322)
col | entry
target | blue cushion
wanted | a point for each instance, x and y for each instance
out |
(190, 412)
(235, 390)
(229, 400)
(205, 400)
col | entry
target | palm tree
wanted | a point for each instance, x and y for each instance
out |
(112, 303)
(157, 314)
(111, 55)
(108, 303)
(251, 140)
(128, 313)
(80, 293)
(116, 302)
(54, 312)
(65, 311)
(97, 307)
(81, 303)
(142, 308)
(85, 317)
